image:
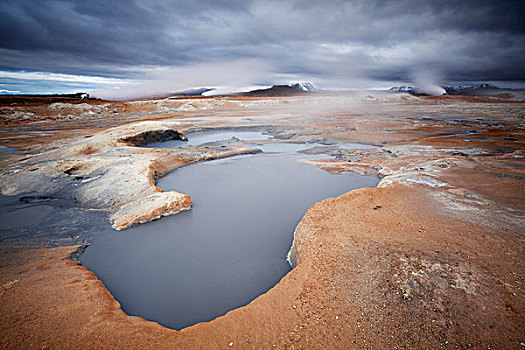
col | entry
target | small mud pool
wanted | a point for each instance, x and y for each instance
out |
(8, 150)
(229, 249)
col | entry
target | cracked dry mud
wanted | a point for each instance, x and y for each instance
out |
(432, 258)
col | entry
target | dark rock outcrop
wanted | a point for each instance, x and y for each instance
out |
(152, 136)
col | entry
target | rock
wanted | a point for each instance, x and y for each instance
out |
(150, 208)
(152, 136)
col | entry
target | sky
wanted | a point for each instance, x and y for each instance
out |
(134, 46)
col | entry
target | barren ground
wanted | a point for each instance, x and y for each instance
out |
(432, 258)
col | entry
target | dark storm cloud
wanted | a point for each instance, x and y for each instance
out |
(327, 40)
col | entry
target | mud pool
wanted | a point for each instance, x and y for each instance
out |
(8, 150)
(197, 265)
(201, 137)
(229, 249)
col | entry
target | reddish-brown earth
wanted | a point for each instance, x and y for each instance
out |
(432, 258)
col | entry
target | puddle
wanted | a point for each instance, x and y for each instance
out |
(229, 249)
(283, 147)
(356, 145)
(7, 150)
(471, 132)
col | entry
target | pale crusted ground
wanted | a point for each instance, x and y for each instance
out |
(432, 258)
(105, 172)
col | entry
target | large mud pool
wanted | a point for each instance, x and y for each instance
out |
(199, 264)
(229, 249)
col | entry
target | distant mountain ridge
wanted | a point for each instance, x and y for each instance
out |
(275, 91)
(194, 92)
(404, 88)
(461, 88)
(449, 89)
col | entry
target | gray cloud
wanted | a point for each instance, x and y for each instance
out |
(331, 41)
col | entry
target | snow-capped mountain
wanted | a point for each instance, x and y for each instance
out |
(305, 86)
(404, 88)
(194, 92)
(449, 89)
(461, 88)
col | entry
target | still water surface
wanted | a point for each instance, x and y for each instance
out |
(229, 249)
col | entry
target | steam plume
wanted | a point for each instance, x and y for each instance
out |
(162, 81)
(426, 82)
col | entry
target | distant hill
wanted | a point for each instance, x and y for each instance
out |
(275, 91)
(39, 99)
(291, 89)
(193, 92)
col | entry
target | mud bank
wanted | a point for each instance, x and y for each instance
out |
(431, 259)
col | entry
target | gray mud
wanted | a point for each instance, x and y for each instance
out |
(32, 221)
(229, 249)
